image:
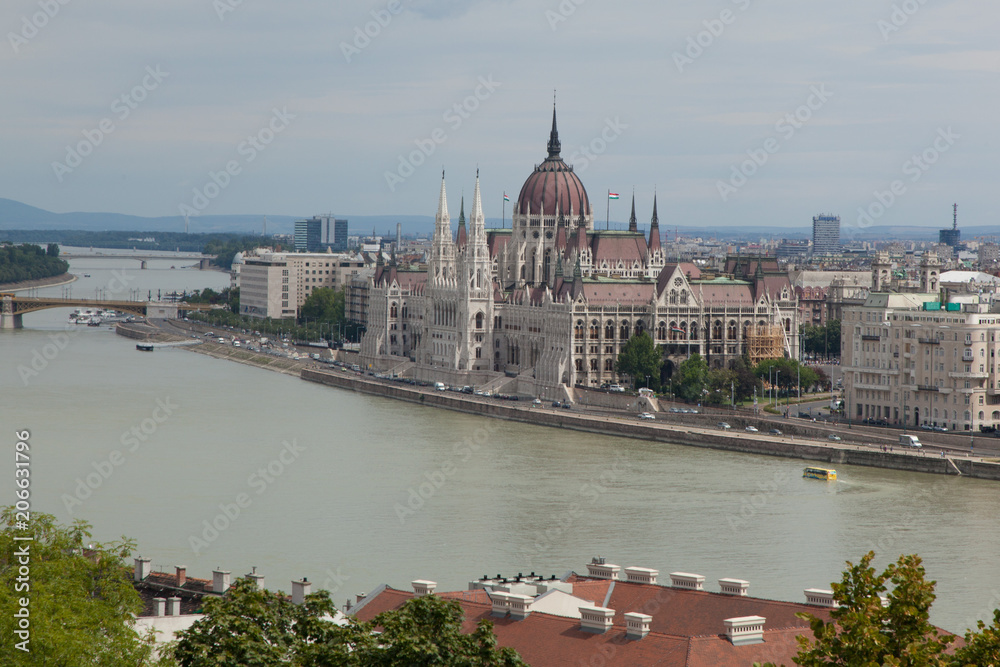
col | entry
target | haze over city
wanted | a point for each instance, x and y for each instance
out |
(355, 108)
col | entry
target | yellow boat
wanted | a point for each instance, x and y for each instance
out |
(820, 473)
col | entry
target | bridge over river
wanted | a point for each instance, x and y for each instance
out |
(13, 307)
(204, 261)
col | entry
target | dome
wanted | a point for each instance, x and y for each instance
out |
(238, 258)
(553, 184)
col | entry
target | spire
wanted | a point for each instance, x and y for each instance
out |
(554, 145)
(654, 229)
(462, 234)
(633, 225)
(442, 212)
(478, 220)
(656, 219)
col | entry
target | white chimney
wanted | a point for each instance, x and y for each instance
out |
(596, 619)
(820, 597)
(745, 630)
(598, 569)
(637, 625)
(300, 589)
(734, 586)
(641, 575)
(159, 606)
(181, 575)
(258, 579)
(501, 603)
(692, 582)
(220, 581)
(519, 605)
(173, 606)
(422, 587)
(143, 566)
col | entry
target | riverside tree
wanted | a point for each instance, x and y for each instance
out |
(692, 374)
(80, 597)
(641, 360)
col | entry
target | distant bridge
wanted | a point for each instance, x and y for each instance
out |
(13, 307)
(204, 261)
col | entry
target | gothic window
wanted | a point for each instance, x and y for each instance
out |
(609, 330)
(640, 326)
(578, 330)
(579, 365)
(609, 365)
(593, 365)
(673, 331)
(595, 330)
(673, 297)
(684, 297)
(661, 331)
(731, 330)
(694, 331)
(717, 330)
(392, 310)
(625, 330)
(479, 320)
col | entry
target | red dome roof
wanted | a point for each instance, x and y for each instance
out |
(553, 184)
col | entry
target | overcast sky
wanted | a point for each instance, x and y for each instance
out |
(832, 98)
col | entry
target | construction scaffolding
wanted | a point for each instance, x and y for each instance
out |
(765, 341)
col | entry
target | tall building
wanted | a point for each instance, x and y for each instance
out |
(953, 236)
(276, 284)
(552, 300)
(309, 235)
(339, 239)
(826, 234)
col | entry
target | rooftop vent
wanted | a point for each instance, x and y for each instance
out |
(220, 581)
(641, 575)
(501, 603)
(637, 625)
(519, 605)
(820, 597)
(596, 619)
(256, 578)
(143, 566)
(159, 606)
(734, 586)
(692, 582)
(300, 589)
(745, 630)
(422, 587)
(598, 569)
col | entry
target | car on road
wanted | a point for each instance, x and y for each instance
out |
(834, 437)
(775, 431)
(692, 411)
(676, 410)
(751, 429)
(724, 426)
(616, 389)
(648, 416)
(942, 429)
(536, 403)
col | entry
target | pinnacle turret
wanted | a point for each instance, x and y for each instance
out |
(633, 224)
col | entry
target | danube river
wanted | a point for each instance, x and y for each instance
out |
(209, 464)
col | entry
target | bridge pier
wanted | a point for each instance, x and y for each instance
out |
(142, 264)
(203, 264)
(8, 318)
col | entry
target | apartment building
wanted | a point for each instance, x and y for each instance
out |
(276, 284)
(911, 358)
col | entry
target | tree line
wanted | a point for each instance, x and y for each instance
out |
(29, 262)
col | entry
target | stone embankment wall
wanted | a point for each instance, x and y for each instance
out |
(675, 433)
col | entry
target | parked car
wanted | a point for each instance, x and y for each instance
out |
(724, 426)
(751, 429)
(567, 405)
(834, 437)
(775, 431)
(616, 389)
(536, 403)
(676, 410)
(648, 416)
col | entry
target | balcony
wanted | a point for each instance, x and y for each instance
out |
(970, 375)
(870, 337)
(929, 341)
(926, 387)
(968, 356)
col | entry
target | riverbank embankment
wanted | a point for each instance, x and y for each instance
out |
(680, 434)
(51, 281)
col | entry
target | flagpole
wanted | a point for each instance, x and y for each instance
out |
(503, 214)
(607, 221)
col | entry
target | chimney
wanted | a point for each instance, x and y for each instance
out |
(181, 575)
(174, 606)
(159, 606)
(256, 578)
(300, 589)
(220, 581)
(637, 625)
(691, 582)
(501, 603)
(519, 605)
(422, 587)
(745, 630)
(598, 569)
(596, 619)
(641, 575)
(734, 587)
(142, 568)
(360, 596)
(820, 597)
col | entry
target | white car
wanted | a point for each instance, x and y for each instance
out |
(647, 416)
(616, 389)
(751, 429)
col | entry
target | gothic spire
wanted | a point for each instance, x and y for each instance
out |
(633, 225)
(442, 212)
(654, 229)
(478, 220)
(462, 236)
(656, 219)
(554, 145)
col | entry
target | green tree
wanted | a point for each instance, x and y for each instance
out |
(425, 631)
(640, 358)
(865, 632)
(692, 375)
(249, 627)
(982, 649)
(786, 374)
(325, 304)
(81, 603)
(52, 250)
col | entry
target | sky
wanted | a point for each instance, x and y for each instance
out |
(735, 112)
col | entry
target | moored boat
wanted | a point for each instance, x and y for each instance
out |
(145, 347)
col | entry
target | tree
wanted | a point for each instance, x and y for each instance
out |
(982, 649)
(325, 304)
(424, 631)
(80, 603)
(249, 626)
(641, 360)
(692, 374)
(786, 374)
(863, 631)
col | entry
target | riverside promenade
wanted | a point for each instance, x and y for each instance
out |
(833, 453)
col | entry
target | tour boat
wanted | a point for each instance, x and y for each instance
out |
(145, 347)
(820, 473)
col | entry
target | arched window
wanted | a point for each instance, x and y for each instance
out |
(732, 330)
(672, 299)
(640, 326)
(595, 330)
(609, 330)
(694, 331)
(578, 330)
(684, 297)
(661, 331)
(673, 331)
(625, 330)
(609, 365)
(392, 310)
(479, 320)
(717, 330)
(593, 365)
(579, 365)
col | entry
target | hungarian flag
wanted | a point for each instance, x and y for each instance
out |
(676, 330)
(505, 197)
(612, 195)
